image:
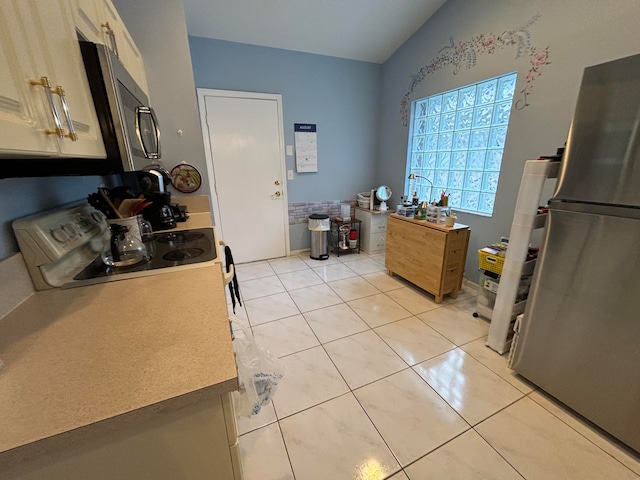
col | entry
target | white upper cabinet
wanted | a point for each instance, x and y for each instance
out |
(45, 102)
(25, 114)
(98, 21)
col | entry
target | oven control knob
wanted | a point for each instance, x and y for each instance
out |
(70, 230)
(59, 235)
(98, 217)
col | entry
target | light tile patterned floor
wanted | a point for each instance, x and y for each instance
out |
(382, 382)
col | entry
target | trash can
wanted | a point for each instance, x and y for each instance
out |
(319, 227)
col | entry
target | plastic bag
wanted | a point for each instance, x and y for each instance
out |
(258, 373)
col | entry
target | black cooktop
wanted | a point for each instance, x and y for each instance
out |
(167, 249)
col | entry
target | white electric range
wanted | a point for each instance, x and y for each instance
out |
(61, 248)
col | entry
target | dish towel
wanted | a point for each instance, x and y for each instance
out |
(234, 288)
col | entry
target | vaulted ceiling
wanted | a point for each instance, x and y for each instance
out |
(366, 30)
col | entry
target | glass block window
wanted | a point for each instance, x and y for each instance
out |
(456, 142)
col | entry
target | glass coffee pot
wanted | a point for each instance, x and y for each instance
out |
(123, 249)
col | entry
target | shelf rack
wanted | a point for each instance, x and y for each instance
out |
(525, 220)
(334, 236)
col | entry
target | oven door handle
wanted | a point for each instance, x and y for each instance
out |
(227, 277)
(148, 130)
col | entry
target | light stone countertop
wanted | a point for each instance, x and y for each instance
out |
(87, 360)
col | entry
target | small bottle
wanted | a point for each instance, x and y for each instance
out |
(415, 200)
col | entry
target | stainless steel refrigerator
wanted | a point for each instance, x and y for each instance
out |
(580, 336)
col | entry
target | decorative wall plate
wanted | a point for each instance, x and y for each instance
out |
(185, 178)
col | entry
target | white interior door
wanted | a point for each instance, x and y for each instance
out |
(245, 158)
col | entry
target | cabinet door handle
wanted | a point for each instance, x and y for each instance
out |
(44, 82)
(278, 194)
(67, 113)
(112, 38)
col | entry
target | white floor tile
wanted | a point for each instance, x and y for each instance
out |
(413, 300)
(264, 456)
(383, 281)
(457, 325)
(335, 271)
(353, 288)
(496, 363)
(313, 298)
(260, 287)
(352, 257)
(366, 265)
(335, 322)
(309, 378)
(332, 260)
(327, 432)
(286, 336)
(363, 358)
(468, 290)
(468, 304)
(265, 416)
(378, 310)
(473, 390)
(540, 446)
(272, 307)
(588, 430)
(378, 257)
(464, 458)
(251, 271)
(336, 440)
(286, 265)
(410, 415)
(299, 279)
(413, 340)
(399, 476)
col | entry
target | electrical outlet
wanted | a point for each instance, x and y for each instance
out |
(289, 174)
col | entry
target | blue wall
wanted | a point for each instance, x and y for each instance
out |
(340, 96)
(23, 196)
(600, 32)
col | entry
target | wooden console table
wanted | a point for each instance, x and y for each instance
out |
(429, 255)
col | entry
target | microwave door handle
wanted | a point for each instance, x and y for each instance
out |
(140, 111)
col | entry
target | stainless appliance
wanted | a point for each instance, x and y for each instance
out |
(152, 184)
(129, 126)
(580, 336)
(62, 247)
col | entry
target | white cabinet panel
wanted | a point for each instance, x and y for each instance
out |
(98, 21)
(53, 27)
(372, 230)
(89, 19)
(39, 41)
(23, 108)
(185, 443)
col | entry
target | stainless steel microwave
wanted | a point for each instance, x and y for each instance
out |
(129, 125)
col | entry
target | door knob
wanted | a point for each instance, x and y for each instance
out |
(277, 194)
(277, 182)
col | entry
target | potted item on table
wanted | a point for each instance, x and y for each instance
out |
(421, 212)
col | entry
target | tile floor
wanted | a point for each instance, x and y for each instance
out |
(382, 382)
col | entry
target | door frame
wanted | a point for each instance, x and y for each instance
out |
(213, 193)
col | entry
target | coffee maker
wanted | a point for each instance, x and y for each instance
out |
(152, 184)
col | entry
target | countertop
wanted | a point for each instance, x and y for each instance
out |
(87, 360)
(436, 226)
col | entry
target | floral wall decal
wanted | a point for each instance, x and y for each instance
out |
(465, 53)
